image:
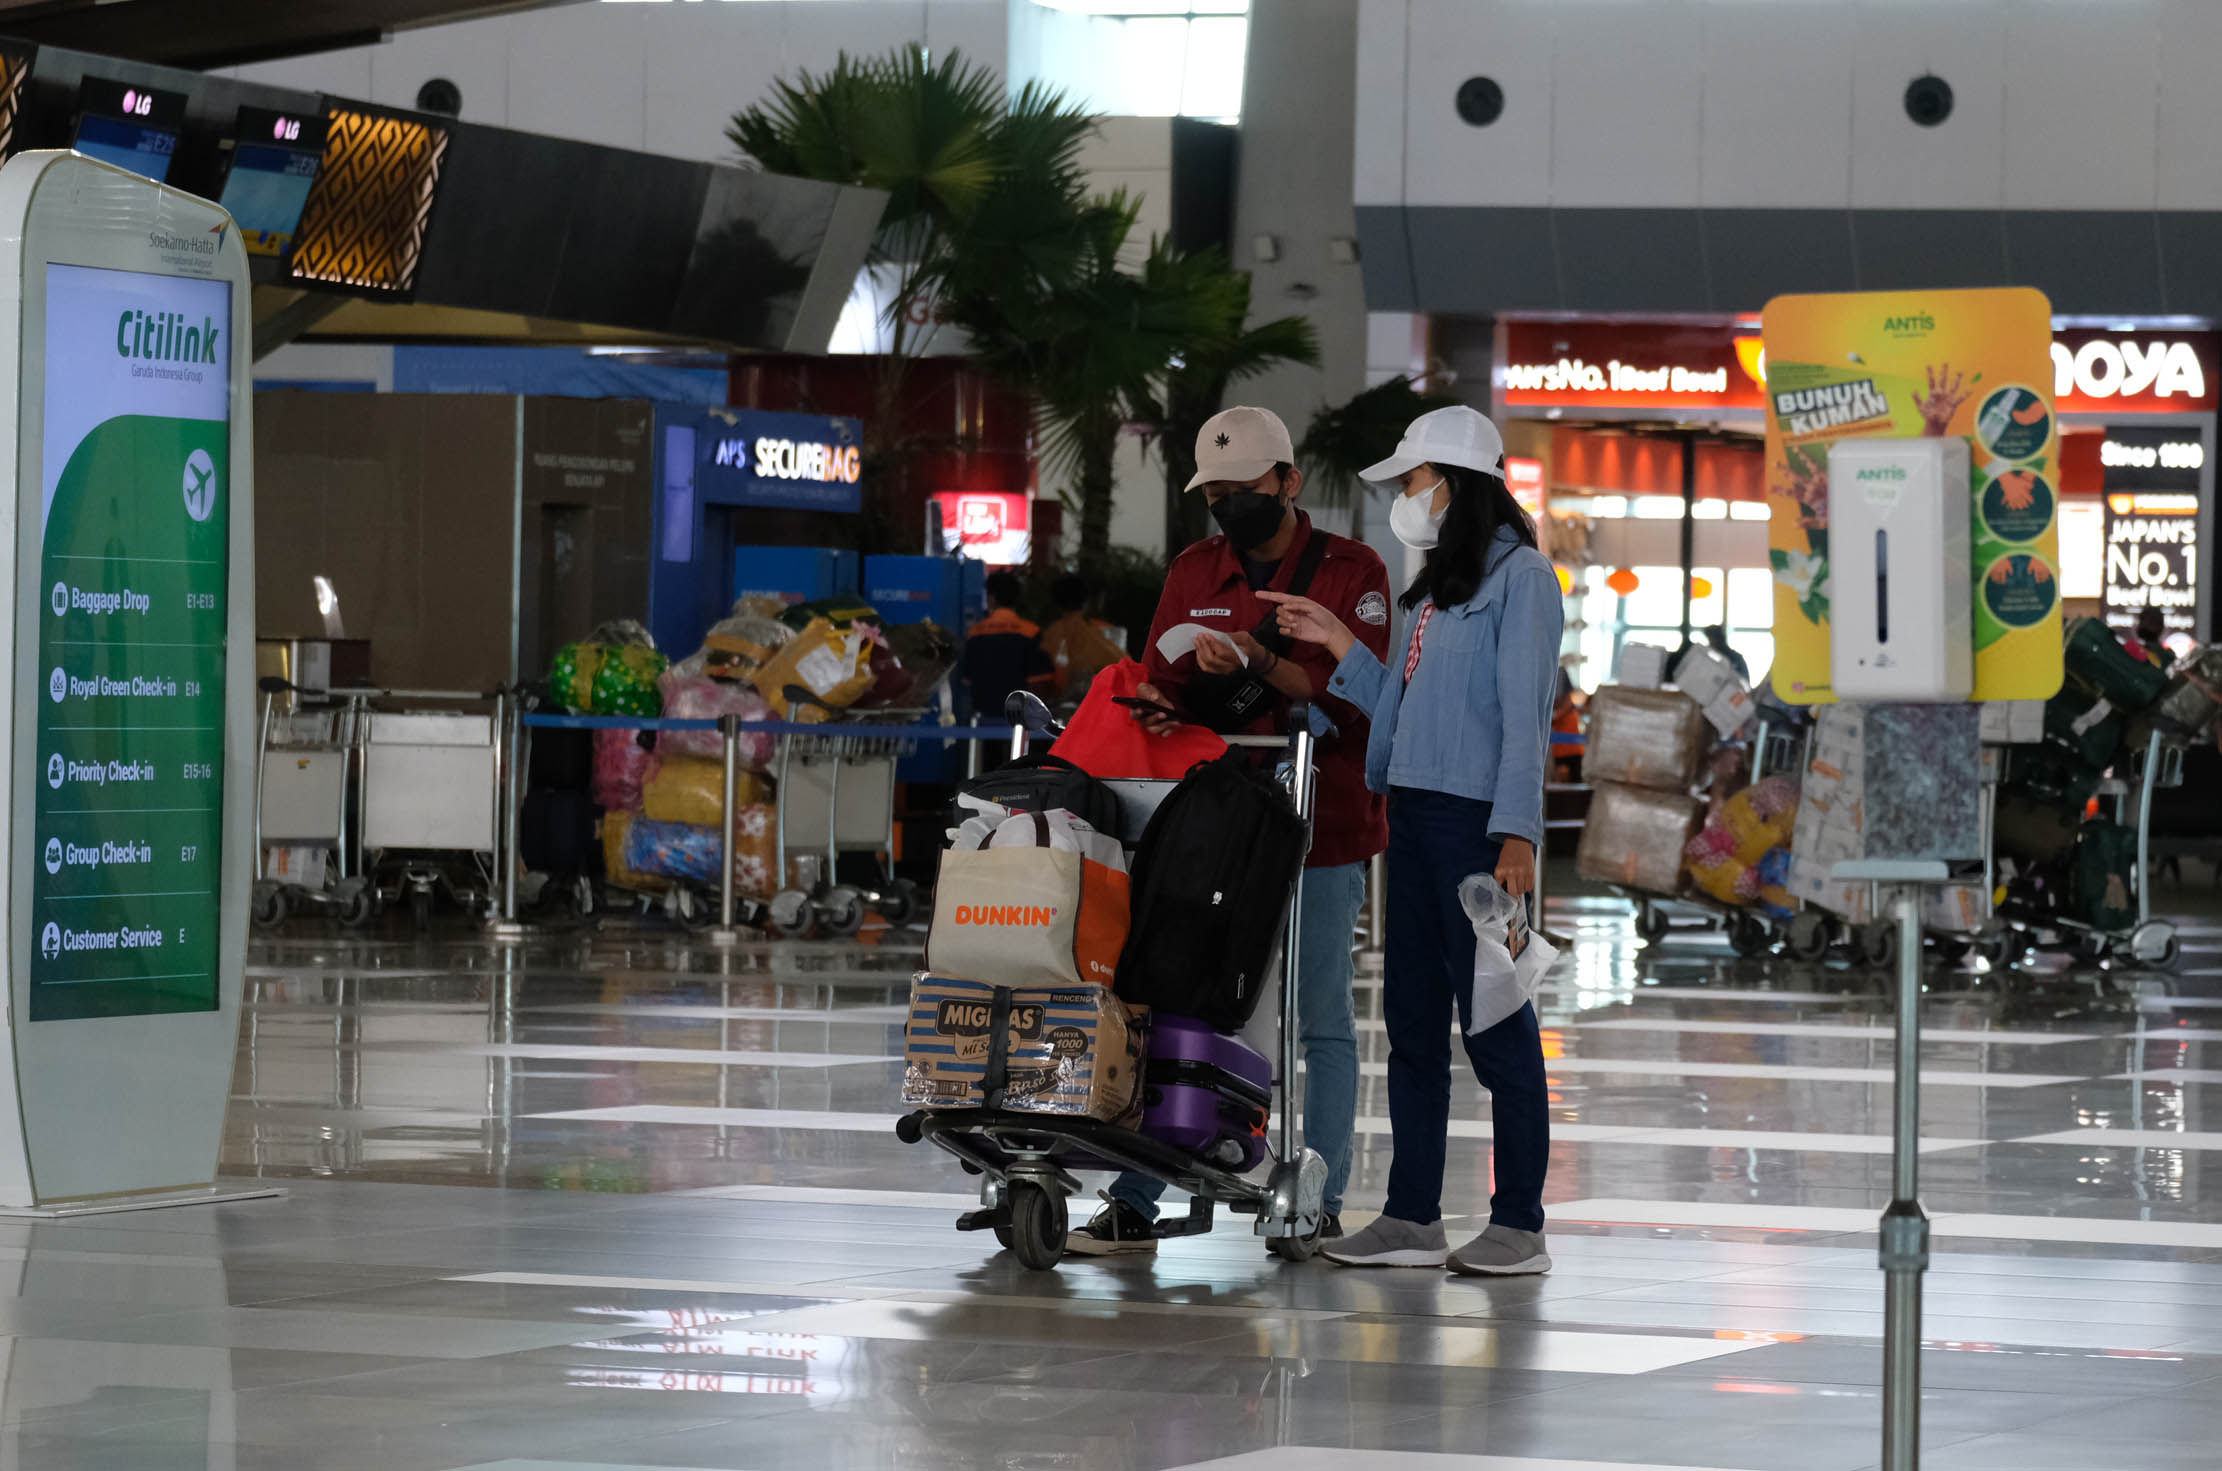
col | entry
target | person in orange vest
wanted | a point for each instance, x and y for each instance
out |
(1078, 646)
(1003, 652)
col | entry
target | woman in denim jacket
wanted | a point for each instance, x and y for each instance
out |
(1460, 741)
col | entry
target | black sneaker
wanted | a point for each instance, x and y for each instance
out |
(1330, 1228)
(1118, 1230)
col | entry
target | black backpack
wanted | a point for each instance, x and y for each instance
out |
(1044, 783)
(1213, 877)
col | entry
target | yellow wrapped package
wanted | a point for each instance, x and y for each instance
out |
(830, 663)
(1725, 857)
(614, 827)
(691, 789)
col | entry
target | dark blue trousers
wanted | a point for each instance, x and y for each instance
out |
(1435, 840)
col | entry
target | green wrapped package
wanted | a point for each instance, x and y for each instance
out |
(571, 677)
(625, 683)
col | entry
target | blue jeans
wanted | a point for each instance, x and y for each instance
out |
(1435, 840)
(1327, 921)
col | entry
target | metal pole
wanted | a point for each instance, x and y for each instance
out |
(509, 763)
(729, 733)
(972, 755)
(1300, 789)
(1689, 525)
(513, 712)
(262, 753)
(1905, 1228)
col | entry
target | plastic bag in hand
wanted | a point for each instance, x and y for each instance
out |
(1509, 958)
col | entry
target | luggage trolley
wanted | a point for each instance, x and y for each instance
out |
(1028, 1161)
(304, 763)
(2147, 940)
(836, 794)
(430, 803)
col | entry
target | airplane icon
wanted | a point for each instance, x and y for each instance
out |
(200, 485)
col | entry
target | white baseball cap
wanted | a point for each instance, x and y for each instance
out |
(1240, 444)
(1453, 436)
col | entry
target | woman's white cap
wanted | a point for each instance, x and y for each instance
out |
(1453, 436)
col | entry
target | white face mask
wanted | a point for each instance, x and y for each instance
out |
(1412, 523)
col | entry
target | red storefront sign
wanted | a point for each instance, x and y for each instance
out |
(1625, 365)
(2137, 372)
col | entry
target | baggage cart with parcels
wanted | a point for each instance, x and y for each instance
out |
(1028, 1160)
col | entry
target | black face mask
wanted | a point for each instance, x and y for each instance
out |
(1251, 518)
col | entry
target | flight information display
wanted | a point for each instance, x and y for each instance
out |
(131, 127)
(129, 676)
(273, 164)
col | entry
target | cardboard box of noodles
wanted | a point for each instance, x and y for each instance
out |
(1635, 836)
(1645, 738)
(1074, 1050)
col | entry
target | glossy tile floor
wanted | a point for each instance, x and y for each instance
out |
(619, 1200)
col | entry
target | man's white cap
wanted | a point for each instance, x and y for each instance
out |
(1453, 436)
(1240, 444)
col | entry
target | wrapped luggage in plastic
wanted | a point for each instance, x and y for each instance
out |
(735, 647)
(615, 827)
(827, 662)
(682, 850)
(571, 675)
(621, 764)
(1073, 1050)
(1635, 836)
(690, 789)
(625, 684)
(1645, 738)
(1724, 858)
(843, 610)
(2189, 703)
(700, 697)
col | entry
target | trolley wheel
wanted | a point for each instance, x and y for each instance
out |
(1808, 936)
(841, 912)
(269, 907)
(1295, 1248)
(790, 915)
(694, 911)
(1651, 922)
(2006, 949)
(1878, 943)
(1038, 1227)
(899, 902)
(1005, 1238)
(420, 908)
(358, 908)
(1749, 935)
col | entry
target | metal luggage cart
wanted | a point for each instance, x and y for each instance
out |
(304, 801)
(1028, 1161)
(430, 802)
(2148, 940)
(835, 795)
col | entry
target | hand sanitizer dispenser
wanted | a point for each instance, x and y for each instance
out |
(1901, 621)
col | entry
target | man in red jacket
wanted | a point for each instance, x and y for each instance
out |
(1209, 632)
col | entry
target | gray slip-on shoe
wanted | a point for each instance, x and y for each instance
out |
(1389, 1242)
(1501, 1251)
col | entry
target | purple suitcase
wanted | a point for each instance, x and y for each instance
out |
(1205, 1093)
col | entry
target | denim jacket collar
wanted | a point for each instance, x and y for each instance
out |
(1501, 546)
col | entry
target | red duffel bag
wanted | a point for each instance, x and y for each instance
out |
(1106, 741)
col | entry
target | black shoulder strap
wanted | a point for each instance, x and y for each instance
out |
(1268, 631)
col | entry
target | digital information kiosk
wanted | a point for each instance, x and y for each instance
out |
(129, 759)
